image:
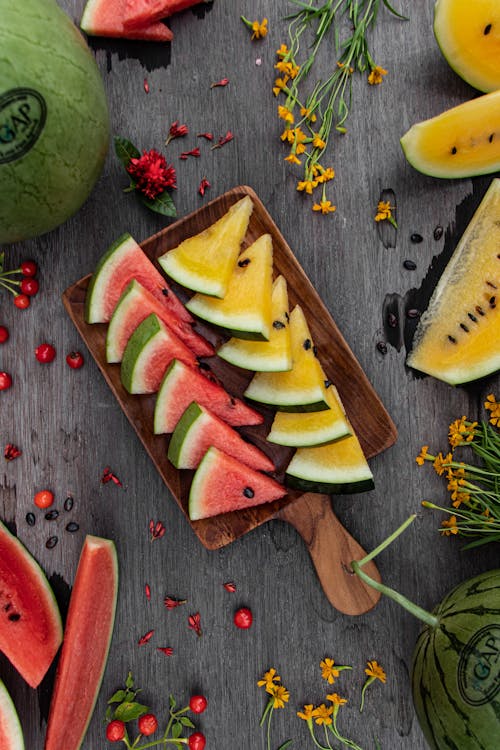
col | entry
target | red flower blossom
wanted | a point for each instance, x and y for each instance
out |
(167, 650)
(194, 622)
(108, 476)
(204, 184)
(171, 603)
(193, 152)
(208, 136)
(151, 173)
(230, 586)
(176, 131)
(11, 452)
(145, 638)
(156, 530)
(224, 139)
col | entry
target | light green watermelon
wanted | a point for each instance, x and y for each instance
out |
(54, 125)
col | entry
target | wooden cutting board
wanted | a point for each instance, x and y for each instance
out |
(330, 545)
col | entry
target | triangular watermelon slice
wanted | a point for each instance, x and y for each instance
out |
(222, 484)
(135, 304)
(106, 18)
(198, 429)
(182, 385)
(11, 733)
(141, 12)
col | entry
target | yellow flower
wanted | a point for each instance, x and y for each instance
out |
(384, 211)
(287, 68)
(279, 85)
(322, 714)
(328, 671)
(308, 114)
(456, 432)
(450, 526)
(259, 29)
(440, 461)
(493, 406)
(292, 159)
(307, 713)
(285, 114)
(300, 148)
(461, 497)
(269, 678)
(376, 76)
(325, 207)
(288, 135)
(300, 136)
(279, 694)
(318, 142)
(307, 186)
(342, 65)
(336, 699)
(282, 51)
(328, 174)
(420, 459)
(374, 670)
(294, 70)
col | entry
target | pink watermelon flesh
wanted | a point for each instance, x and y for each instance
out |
(222, 484)
(198, 429)
(182, 385)
(140, 12)
(30, 623)
(106, 18)
(11, 733)
(138, 303)
(87, 637)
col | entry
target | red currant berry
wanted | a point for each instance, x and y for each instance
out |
(29, 268)
(22, 301)
(115, 731)
(75, 360)
(243, 618)
(197, 741)
(4, 334)
(147, 724)
(44, 499)
(45, 353)
(5, 381)
(30, 287)
(198, 703)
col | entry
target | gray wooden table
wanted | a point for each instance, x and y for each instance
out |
(70, 427)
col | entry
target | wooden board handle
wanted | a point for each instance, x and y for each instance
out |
(332, 549)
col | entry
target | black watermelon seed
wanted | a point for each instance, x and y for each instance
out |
(382, 347)
(492, 285)
(491, 137)
(487, 29)
(416, 238)
(452, 339)
(244, 262)
(392, 320)
(72, 527)
(307, 344)
(464, 327)
(479, 310)
(328, 383)
(315, 350)
(413, 313)
(248, 492)
(165, 292)
(410, 265)
(438, 232)
(51, 542)
(492, 301)
(232, 401)
(472, 317)
(454, 150)
(14, 617)
(30, 519)
(278, 324)
(51, 515)
(68, 503)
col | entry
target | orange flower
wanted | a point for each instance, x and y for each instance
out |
(325, 207)
(376, 76)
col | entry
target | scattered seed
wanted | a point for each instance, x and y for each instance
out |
(491, 137)
(487, 29)
(51, 515)
(30, 519)
(454, 150)
(248, 492)
(452, 339)
(492, 285)
(416, 238)
(244, 262)
(307, 344)
(68, 503)
(14, 617)
(72, 527)
(382, 347)
(479, 310)
(438, 232)
(413, 313)
(472, 317)
(165, 292)
(392, 320)
(410, 265)
(278, 324)
(464, 327)
(51, 542)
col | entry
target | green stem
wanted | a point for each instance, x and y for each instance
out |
(311, 731)
(269, 730)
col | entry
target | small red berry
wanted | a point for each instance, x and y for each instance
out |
(5, 381)
(45, 353)
(44, 499)
(148, 724)
(243, 618)
(198, 703)
(197, 741)
(29, 268)
(4, 334)
(115, 731)
(22, 301)
(75, 360)
(30, 287)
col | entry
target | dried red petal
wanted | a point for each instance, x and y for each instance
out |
(146, 86)
(147, 591)
(222, 82)
(171, 603)
(193, 152)
(194, 622)
(151, 173)
(230, 586)
(108, 476)
(208, 136)
(145, 638)
(11, 452)
(204, 185)
(156, 530)
(167, 650)
(177, 131)
(223, 140)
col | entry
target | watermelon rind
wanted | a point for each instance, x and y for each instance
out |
(103, 275)
(31, 642)
(198, 429)
(87, 640)
(11, 733)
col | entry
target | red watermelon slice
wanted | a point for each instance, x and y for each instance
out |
(106, 18)
(11, 733)
(222, 484)
(182, 385)
(135, 304)
(140, 12)
(123, 261)
(198, 429)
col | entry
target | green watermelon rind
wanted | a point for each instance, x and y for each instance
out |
(12, 732)
(241, 327)
(103, 275)
(305, 475)
(262, 363)
(329, 488)
(308, 439)
(138, 350)
(119, 315)
(295, 400)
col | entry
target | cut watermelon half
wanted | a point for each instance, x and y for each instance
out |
(87, 638)
(182, 385)
(198, 429)
(11, 733)
(141, 12)
(30, 623)
(135, 304)
(222, 484)
(123, 261)
(106, 18)
(150, 350)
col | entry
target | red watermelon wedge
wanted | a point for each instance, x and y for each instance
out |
(140, 12)
(106, 18)
(11, 733)
(182, 385)
(222, 484)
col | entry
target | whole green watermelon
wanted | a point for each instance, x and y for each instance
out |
(456, 669)
(54, 124)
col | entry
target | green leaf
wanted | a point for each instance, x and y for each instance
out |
(119, 696)
(285, 744)
(394, 12)
(177, 730)
(162, 204)
(130, 711)
(187, 722)
(125, 151)
(172, 702)
(129, 682)
(109, 713)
